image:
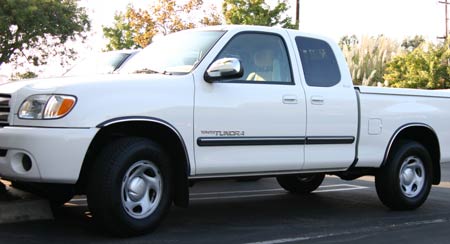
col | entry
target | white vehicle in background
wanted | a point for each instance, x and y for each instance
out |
(102, 63)
(221, 102)
(4, 79)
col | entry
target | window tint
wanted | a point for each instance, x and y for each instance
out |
(319, 63)
(263, 56)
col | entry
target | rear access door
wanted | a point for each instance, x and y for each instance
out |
(332, 106)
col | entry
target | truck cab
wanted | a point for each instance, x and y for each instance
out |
(278, 103)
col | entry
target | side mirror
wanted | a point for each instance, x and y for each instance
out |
(224, 68)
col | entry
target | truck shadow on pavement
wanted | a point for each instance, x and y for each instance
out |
(215, 216)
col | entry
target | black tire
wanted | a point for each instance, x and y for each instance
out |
(405, 191)
(301, 183)
(125, 164)
(56, 194)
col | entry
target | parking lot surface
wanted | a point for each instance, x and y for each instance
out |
(262, 212)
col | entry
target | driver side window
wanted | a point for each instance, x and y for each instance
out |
(263, 57)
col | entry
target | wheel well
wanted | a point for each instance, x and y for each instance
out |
(425, 136)
(165, 136)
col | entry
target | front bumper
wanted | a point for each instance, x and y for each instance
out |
(54, 155)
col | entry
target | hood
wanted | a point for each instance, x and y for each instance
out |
(104, 97)
(54, 84)
(13, 86)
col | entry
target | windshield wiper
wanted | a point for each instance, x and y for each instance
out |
(151, 71)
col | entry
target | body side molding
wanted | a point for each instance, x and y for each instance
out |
(325, 140)
(249, 141)
(273, 141)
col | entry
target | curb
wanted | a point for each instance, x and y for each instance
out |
(18, 206)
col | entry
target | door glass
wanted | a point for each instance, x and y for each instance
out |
(319, 63)
(263, 56)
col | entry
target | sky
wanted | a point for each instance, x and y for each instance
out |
(393, 18)
(334, 18)
(396, 19)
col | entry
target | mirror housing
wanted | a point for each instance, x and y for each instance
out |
(224, 68)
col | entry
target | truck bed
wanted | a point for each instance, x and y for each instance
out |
(383, 111)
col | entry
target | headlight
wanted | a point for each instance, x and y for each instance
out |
(46, 106)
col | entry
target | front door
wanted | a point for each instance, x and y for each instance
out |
(256, 123)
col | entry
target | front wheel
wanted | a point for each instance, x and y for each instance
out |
(130, 189)
(301, 183)
(405, 181)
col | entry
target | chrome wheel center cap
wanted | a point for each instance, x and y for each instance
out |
(408, 176)
(136, 189)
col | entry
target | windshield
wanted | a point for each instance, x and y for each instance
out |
(176, 53)
(102, 63)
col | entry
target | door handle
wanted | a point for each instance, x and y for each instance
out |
(290, 99)
(317, 100)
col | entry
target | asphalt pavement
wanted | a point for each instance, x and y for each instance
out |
(261, 212)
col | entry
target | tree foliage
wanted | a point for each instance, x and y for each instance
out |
(427, 66)
(412, 43)
(37, 29)
(163, 17)
(348, 42)
(257, 12)
(120, 35)
(24, 75)
(367, 58)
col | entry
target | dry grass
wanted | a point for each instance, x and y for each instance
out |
(367, 59)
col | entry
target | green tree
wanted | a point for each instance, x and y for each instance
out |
(139, 26)
(425, 67)
(348, 41)
(37, 29)
(257, 12)
(120, 35)
(24, 75)
(413, 42)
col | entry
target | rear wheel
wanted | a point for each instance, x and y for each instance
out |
(130, 189)
(404, 182)
(301, 183)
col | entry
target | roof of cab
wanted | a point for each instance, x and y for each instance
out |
(262, 28)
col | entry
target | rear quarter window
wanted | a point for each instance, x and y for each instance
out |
(319, 62)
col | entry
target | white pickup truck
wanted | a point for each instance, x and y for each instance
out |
(221, 102)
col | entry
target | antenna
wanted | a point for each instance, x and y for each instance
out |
(297, 13)
(446, 3)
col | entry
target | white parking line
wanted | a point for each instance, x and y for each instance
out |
(279, 191)
(358, 231)
(341, 187)
(236, 197)
(233, 192)
(78, 200)
(352, 188)
(268, 190)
